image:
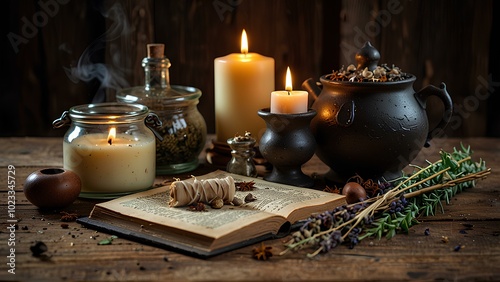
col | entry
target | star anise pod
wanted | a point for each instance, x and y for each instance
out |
(333, 189)
(245, 186)
(262, 253)
(200, 206)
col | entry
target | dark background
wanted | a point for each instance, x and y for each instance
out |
(61, 53)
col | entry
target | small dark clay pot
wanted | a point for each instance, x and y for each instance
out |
(52, 188)
(374, 129)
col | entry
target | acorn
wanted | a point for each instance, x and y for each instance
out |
(354, 192)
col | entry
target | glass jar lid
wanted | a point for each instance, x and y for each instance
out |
(174, 94)
(108, 113)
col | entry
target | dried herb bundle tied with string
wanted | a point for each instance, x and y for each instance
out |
(395, 208)
(193, 191)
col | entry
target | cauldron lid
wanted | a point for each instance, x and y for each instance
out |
(367, 57)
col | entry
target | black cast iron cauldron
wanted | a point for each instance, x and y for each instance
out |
(372, 129)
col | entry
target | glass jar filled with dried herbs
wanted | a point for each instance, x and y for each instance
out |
(183, 128)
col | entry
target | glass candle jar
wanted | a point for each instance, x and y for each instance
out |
(110, 148)
(183, 128)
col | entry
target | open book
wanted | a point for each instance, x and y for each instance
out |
(146, 217)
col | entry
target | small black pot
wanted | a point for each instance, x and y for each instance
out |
(287, 143)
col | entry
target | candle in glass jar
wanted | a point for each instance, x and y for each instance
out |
(242, 83)
(288, 101)
(108, 163)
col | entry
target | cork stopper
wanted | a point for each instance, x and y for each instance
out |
(156, 50)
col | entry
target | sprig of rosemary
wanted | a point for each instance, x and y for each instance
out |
(418, 193)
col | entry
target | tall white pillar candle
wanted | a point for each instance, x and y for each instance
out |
(242, 83)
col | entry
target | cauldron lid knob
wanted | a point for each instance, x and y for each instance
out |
(367, 57)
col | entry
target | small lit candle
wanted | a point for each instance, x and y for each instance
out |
(288, 101)
(111, 162)
(242, 83)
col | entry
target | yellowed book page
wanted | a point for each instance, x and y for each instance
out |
(272, 199)
(286, 200)
(152, 206)
(281, 199)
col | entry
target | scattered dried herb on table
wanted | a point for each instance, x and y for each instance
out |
(68, 217)
(38, 248)
(394, 210)
(200, 206)
(107, 241)
(263, 252)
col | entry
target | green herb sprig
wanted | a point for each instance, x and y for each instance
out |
(418, 193)
(108, 240)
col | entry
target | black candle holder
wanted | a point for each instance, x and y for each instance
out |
(287, 144)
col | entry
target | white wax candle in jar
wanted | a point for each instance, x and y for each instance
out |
(242, 83)
(289, 101)
(113, 152)
(111, 164)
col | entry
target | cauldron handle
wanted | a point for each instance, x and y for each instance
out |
(443, 95)
(313, 89)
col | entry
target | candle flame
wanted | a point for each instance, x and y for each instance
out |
(244, 42)
(111, 135)
(288, 80)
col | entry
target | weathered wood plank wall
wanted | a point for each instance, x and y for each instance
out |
(197, 33)
(40, 45)
(86, 50)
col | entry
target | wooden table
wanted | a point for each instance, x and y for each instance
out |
(73, 253)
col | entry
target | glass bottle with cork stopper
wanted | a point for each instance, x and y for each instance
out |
(184, 129)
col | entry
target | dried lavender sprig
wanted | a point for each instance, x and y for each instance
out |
(382, 202)
(318, 228)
